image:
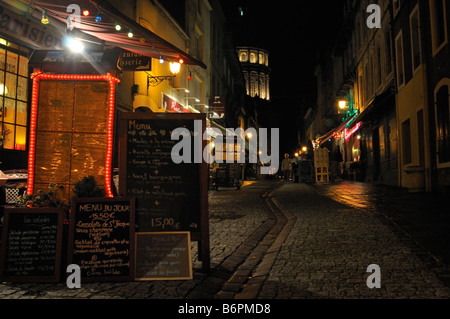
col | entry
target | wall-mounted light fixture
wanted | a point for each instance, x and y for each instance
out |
(175, 67)
(157, 80)
(44, 19)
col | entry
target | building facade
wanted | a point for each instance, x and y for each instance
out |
(161, 34)
(382, 99)
(20, 35)
(255, 68)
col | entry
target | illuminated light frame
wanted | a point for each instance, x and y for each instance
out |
(110, 123)
(349, 133)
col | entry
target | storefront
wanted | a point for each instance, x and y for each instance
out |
(20, 35)
(34, 50)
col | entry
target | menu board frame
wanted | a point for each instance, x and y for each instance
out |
(131, 236)
(200, 235)
(8, 211)
(186, 263)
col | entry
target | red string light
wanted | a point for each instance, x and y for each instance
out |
(110, 122)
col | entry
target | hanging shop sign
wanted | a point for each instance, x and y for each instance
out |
(24, 29)
(217, 107)
(130, 61)
(172, 106)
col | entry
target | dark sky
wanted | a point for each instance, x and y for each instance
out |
(293, 32)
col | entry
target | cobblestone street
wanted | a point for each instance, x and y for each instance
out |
(273, 240)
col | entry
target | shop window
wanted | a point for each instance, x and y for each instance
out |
(443, 124)
(13, 99)
(400, 60)
(406, 136)
(438, 24)
(415, 38)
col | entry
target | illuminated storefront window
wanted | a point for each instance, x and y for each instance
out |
(13, 97)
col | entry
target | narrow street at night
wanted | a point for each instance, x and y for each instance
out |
(225, 158)
(297, 241)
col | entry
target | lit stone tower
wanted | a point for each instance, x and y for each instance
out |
(255, 68)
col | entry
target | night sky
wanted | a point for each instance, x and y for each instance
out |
(294, 33)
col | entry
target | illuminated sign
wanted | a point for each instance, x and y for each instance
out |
(172, 106)
(349, 133)
(34, 33)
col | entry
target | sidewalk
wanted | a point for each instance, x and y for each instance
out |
(295, 241)
(238, 220)
(330, 246)
(425, 217)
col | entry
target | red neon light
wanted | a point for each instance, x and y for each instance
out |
(110, 124)
(348, 134)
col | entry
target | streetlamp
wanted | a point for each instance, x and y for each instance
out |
(175, 67)
(342, 104)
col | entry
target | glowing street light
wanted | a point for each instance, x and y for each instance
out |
(175, 67)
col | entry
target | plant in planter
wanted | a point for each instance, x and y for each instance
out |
(50, 198)
(87, 187)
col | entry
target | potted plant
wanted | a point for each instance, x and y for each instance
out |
(87, 187)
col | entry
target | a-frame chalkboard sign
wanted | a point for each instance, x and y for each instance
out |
(169, 196)
(31, 245)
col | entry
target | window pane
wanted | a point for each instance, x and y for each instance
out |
(21, 113)
(443, 124)
(13, 98)
(2, 59)
(8, 134)
(415, 37)
(21, 138)
(10, 83)
(23, 66)
(11, 62)
(9, 111)
(406, 134)
(22, 88)
(2, 83)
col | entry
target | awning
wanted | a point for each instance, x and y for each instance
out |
(143, 42)
(379, 104)
(337, 129)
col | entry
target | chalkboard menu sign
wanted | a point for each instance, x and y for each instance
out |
(101, 238)
(169, 196)
(31, 245)
(163, 256)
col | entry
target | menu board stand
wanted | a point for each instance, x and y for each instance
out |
(163, 256)
(101, 238)
(169, 197)
(31, 245)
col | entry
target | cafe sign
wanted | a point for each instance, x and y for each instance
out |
(172, 106)
(28, 31)
(130, 61)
